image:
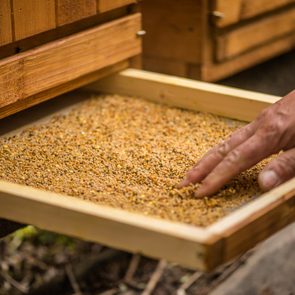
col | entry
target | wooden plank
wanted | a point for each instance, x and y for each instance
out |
(212, 71)
(233, 11)
(174, 29)
(60, 32)
(69, 11)
(187, 94)
(258, 219)
(106, 5)
(60, 89)
(32, 17)
(249, 36)
(5, 23)
(58, 62)
(112, 227)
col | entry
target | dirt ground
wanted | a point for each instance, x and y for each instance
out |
(39, 262)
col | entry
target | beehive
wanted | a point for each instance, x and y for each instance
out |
(212, 39)
(49, 47)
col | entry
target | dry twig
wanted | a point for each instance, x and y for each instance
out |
(14, 283)
(155, 278)
(192, 279)
(72, 279)
(109, 292)
(132, 268)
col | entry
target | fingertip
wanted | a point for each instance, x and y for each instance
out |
(183, 183)
(200, 193)
(268, 179)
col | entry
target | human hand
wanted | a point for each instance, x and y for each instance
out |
(271, 132)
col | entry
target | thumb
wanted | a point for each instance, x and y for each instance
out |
(278, 171)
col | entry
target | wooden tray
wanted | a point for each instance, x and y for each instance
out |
(196, 247)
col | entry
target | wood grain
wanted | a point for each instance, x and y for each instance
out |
(237, 10)
(30, 101)
(203, 248)
(69, 11)
(165, 66)
(247, 37)
(174, 29)
(258, 219)
(106, 5)
(5, 23)
(69, 58)
(32, 17)
(187, 94)
(112, 227)
(214, 71)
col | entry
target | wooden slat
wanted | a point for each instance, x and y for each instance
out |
(234, 11)
(69, 11)
(106, 5)
(247, 37)
(60, 89)
(258, 220)
(212, 71)
(187, 94)
(112, 227)
(174, 29)
(32, 17)
(5, 22)
(58, 62)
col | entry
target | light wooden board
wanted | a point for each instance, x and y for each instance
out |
(5, 22)
(69, 11)
(32, 17)
(69, 58)
(249, 36)
(187, 94)
(234, 11)
(203, 248)
(106, 5)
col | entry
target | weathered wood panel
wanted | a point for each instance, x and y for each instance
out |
(255, 34)
(233, 11)
(5, 22)
(32, 17)
(58, 62)
(69, 11)
(106, 5)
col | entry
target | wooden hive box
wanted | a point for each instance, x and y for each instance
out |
(108, 44)
(213, 39)
(48, 47)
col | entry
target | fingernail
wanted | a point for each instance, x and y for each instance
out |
(268, 179)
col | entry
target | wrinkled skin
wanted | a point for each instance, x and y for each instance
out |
(271, 132)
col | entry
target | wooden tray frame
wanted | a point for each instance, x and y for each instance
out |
(191, 246)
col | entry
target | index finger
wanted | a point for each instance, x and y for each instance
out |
(217, 154)
(243, 157)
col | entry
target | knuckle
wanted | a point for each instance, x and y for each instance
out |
(223, 149)
(264, 114)
(233, 157)
(272, 130)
